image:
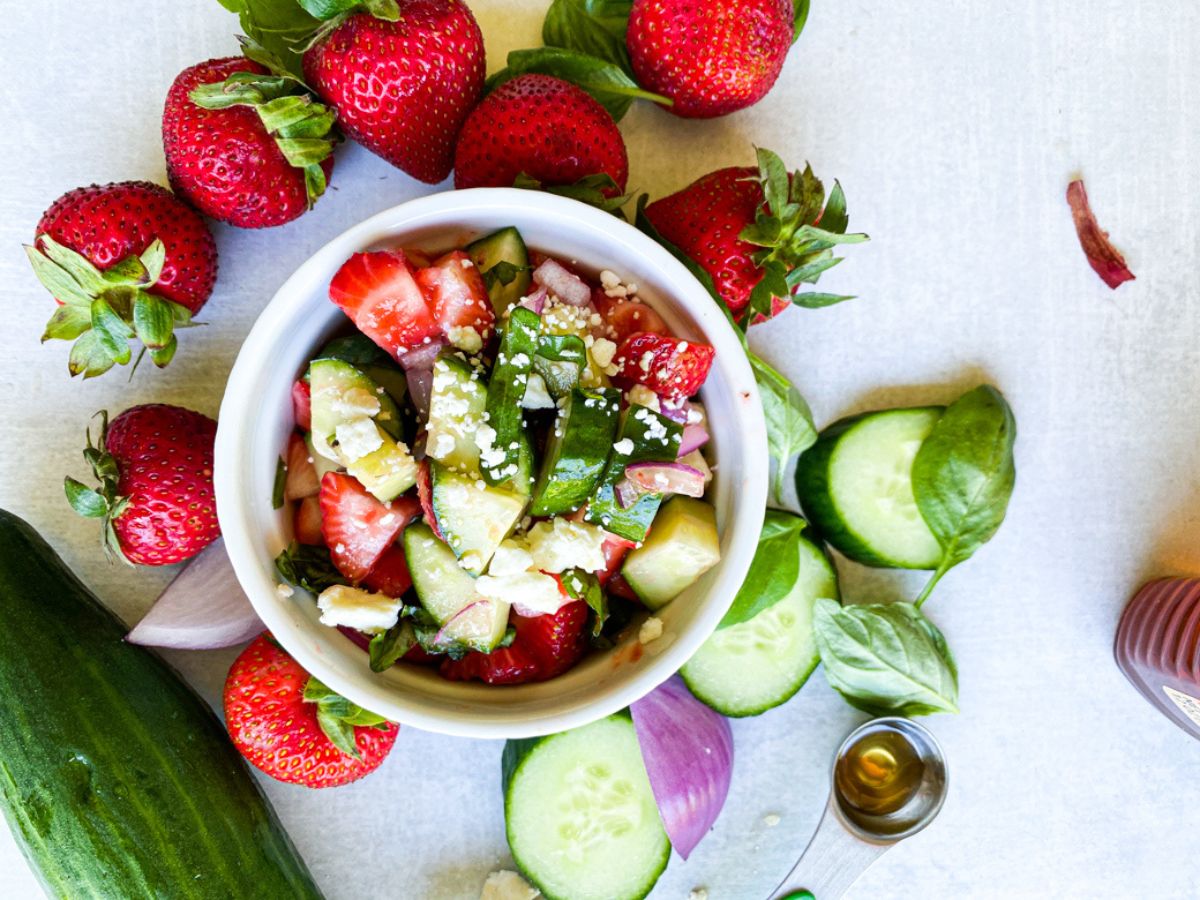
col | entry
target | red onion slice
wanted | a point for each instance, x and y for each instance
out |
(420, 386)
(627, 493)
(666, 478)
(424, 356)
(535, 301)
(676, 411)
(204, 608)
(563, 283)
(688, 751)
(694, 437)
(1103, 257)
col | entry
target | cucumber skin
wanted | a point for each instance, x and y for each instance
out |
(812, 490)
(167, 807)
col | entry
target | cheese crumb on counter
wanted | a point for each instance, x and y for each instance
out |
(507, 885)
(698, 894)
(771, 820)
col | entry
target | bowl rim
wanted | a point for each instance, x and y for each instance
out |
(231, 475)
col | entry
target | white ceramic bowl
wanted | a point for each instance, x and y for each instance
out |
(256, 419)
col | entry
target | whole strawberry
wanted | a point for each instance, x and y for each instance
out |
(712, 57)
(403, 78)
(124, 260)
(155, 468)
(246, 146)
(293, 728)
(542, 127)
(759, 233)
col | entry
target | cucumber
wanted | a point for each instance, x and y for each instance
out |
(576, 451)
(473, 517)
(855, 485)
(683, 546)
(116, 778)
(503, 246)
(331, 381)
(581, 820)
(510, 377)
(652, 438)
(456, 409)
(748, 668)
(322, 464)
(560, 359)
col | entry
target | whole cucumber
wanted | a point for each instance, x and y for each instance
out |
(116, 778)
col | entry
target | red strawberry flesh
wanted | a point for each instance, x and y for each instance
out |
(379, 293)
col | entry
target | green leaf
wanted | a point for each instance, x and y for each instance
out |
(964, 473)
(773, 176)
(772, 284)
(153, 320)
(585, 586)
(111, 330)
(87, 276)
(84, 500)
(163, 355)
(278, 26)
(57, 280)
(129, 272)
(594, 27)
(389, 646)
(886, 659)
(89, 357)
(606, 82)
(308, 567)
(835, 218)
(280, 482)
(600, 191)
(812, 300)
(67, 323)
(774, 571)
(153, 258)
(340, 734)
(356, 349)
(800, 18)
(790, 427)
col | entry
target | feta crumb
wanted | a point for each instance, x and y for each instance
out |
(507, 885)
(355, 608)
(355, 403)
(471, 560)
(284, 590)
(623, 447)
(650, 631)
(771, 820)
(640, 395)
(694, 894)
(465, 337)
(466, 263)
(561, 544)
(510, 558)
(357, 438)
(535, 592)
(645, 361)
(537, 396)
(603, 351)
(609, 279)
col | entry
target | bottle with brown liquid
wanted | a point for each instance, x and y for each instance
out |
(1158, 648)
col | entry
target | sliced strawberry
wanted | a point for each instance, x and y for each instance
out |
(419, 657)
(618, 587)
(308, 521)
(672, 368)
(302, 405)
(627, 317)
(508, 665)
(301, 473)
(379, 293)
(455, 291)
(390, 575)
(614, 549)
(556, 642)
(357, 527)
(425, 493)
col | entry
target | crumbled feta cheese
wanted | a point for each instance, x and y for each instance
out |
(694, 894)
(466, 263)
(441, 446)
(506, 885)
(771, 820)
(624, 447)
(510, 558)
(465, 337)
(357, 438)
(645, 361)
(603, 351)
(535, 592)
(560, 544)
(609, 279)
(355, 403)
(356, 608)
(536, 394)
(650, 631)
(284, 590)
(471, 560)
(640, 395)
(695, 414)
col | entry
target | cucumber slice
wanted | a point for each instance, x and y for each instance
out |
(323, 464)
(579, 813)
(456, 408)
(683, 546)
(357, 349)
(510, 377)
(753, 666)
(503, 246)
(387, 472)
(855, 485)
(522, 482)
(473, 518)
(559, 360)
(576, 451)
(448, 593)
(651, 438)
(390, 379)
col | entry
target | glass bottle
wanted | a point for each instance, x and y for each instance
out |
(1158, 648)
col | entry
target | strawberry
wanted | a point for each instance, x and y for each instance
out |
(455, 290)
(301, 479)
(302, 404)
(755, 232)
(293, 728)
(615, 548)
(308, 521)
(402, 78)
(390, 575)
(625, 317)
(710, 58)
(544, 128)
(378, 292)
(155, 468)
(672, 368)
(544, 647)
(246, 146)
(358, 528)
(106, 252)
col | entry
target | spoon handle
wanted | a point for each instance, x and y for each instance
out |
(832, 861)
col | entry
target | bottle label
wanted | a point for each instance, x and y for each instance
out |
(1189, 705)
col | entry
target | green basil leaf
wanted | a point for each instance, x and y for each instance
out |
(280, 482)
(357, 349)
(812, 300)
(964, 473)
(774, 571)
(278, 26)
(605, 81)
(790, 427)
(84, 500)
(387, 647)
(585, 586)
(308, 567)
(800, 18)
(594, 27)
(886, 659)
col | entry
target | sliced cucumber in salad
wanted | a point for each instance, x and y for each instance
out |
(473, 517)
(560, 360)
(503, 261)
(456, 408)
(855, 485)
(756, 665)
(683, 546)
(576, 450)
(510, 378)
(581, 819)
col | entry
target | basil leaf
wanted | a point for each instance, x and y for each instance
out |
(308, 567)
(886, 659)
(774, 571)
(581, 585)
(387, 647)
(800, 18)
(964, 473)
(611, 87)
(790, 427)
(357, 349)
(594, 27)
(277, 26)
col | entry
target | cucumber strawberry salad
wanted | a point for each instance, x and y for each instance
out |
(499, 467)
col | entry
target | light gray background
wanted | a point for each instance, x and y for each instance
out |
(954, 127)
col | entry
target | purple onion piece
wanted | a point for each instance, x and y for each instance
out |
(420, 386)
(563, 283)
(666, 478)
(694, 437)
(688, 752)
(676, 412)
(627, 493)
(535, 301)
(424, 356)
(360, 640)
(204, 608)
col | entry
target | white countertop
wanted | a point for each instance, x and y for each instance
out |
(954, 128)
